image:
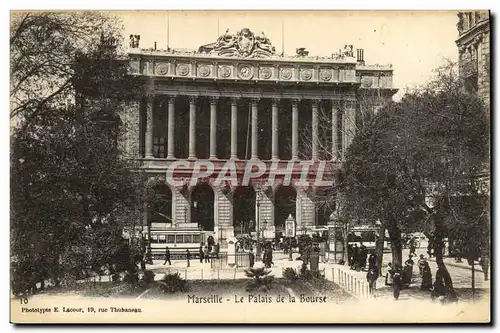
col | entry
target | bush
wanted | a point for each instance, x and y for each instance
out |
(131, 277)
(115, 277)
(308, 275)
(149, 277)
(261, 280)
(172, 283)
(289, 274)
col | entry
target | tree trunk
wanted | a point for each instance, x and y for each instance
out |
(448, 282)
(379, 248)
(396, 245)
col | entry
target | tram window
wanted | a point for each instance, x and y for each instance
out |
(154, 239)
(196, 239)
(178, 239)
(171, 239)
(162, 239)
(188, 239)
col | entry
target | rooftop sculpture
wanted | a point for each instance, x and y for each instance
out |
(243, 44)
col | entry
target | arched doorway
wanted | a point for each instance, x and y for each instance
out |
(244, 210)
(285, 199)
(202, 206)
(160, 207)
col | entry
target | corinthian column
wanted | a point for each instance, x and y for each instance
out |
(171, 127)
(315, 131)
(295, 129)
(255, 130)
(213, 127)
(192, 127)
(274, 153)
(234, 128)
(149, 127)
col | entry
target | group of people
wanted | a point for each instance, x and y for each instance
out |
(357, 256)
(401, 277)
(206, 251)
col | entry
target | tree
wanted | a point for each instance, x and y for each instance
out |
(43, 46)
(413, 161)
(72, 190)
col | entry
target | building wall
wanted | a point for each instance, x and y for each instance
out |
(474, 51)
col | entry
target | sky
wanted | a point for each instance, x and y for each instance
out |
(414, 42)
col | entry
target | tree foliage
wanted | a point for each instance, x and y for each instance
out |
(417, 160)
(72, 190)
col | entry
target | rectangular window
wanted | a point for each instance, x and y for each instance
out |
(171, 239)
(154, 239)
(159, 147)
(178, 239)
(188, 238)
(162, 239)
(196, 239)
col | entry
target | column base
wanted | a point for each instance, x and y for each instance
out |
(170, 157)
(191, 157)
(212, 157)
(149, 156)
(275, 158)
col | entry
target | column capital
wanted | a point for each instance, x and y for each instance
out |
(193, 99)
(213, 100)
(170, 98)
(235, 100)
(315, 102)
(296, 101)
(276, 101)
(254, 100)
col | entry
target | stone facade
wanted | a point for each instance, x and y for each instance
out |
(474, 51)
(201, 100)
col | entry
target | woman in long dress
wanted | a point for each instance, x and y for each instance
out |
(426, 277)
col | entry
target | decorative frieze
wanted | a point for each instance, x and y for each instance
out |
(335, 73)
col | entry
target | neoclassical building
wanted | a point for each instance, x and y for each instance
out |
(474, 51)
(236, 102)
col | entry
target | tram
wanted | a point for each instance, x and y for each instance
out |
(178, 241)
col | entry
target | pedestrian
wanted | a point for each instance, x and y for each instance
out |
(426, 277)
(202, 254)
(363, 255)
(251, 257)
(372, 260)
(270, 257)
(217, 250)
(264, 258)
(350, 255)
(167, 256)
(421, 264)
(372, 277)
(484, 262)
(207, 254)
(355, 256)
(389, 274)
(408, 271)
(188, 256)
(412, 246)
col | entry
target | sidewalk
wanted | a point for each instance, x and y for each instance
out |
(464, 264)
